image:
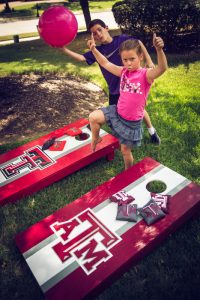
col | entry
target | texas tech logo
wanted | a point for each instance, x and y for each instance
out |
(86, 239)
(31, 160)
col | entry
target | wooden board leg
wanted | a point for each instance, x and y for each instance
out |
(110, 156)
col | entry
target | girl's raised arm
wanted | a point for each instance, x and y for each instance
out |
(102, 60)
(162, 60)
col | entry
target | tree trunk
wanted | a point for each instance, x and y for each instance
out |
(7, 7)
(86, 11)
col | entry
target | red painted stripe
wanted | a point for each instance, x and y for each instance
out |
(137, 242)
(27, 239)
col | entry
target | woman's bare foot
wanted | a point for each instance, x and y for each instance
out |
(95, 142)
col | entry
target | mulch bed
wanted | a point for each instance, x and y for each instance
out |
(34, 104)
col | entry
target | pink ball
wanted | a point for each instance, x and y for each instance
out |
(57, 26)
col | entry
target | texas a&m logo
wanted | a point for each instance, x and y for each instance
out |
(151, 210)
(32, 159)
(85, 239)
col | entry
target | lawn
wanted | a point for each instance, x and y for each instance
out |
(172, 270)
(30, 9)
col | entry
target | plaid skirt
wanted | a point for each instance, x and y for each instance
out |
(128, 132)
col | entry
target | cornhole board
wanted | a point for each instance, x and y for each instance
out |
(28, 168)
(80, 249)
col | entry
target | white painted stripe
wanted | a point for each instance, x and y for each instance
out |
(72, 144)
(39, 246)
(45, 263)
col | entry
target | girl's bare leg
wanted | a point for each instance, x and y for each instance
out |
(127, 156)
(147, 119)
(154, 136)
(96, 119)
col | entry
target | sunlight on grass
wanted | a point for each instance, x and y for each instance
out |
(30, 9)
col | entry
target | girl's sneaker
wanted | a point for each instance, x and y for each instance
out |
(155, 138)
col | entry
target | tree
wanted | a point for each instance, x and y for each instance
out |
(86, 11)
(176, 21)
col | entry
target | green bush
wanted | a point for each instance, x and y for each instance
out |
(176, 21)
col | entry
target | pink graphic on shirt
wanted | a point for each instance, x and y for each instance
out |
(131, 87)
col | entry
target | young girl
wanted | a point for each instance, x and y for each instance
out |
(125, 119)
(109, 46)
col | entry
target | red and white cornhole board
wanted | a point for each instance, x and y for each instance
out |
(28, 168)
(76, 251)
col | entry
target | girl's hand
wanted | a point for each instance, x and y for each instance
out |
(157, 42)
(91, 43)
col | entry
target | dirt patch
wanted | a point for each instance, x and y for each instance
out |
(36, 104)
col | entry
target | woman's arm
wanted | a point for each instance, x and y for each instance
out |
(162, 60)
(102, 60)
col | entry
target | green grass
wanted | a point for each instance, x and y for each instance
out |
(172, 270)
(21, 36)
(30, 9)
(29, 56)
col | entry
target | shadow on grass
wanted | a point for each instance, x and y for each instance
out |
(34, 52)
(31, 11)
(185, 58)
(178, 125)
(22, 13)
(35, 55)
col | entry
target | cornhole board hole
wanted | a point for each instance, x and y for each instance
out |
(28, 168)
(81, 248)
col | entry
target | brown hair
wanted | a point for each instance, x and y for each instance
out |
(130, 45)
(96, 22)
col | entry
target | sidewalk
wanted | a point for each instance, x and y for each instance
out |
(29, 26)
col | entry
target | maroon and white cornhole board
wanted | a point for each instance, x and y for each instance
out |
(80, 248)
(28, 168)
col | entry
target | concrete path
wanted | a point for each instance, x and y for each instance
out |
(27, 26)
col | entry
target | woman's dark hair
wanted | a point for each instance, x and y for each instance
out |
(129, 45)
(95, 22)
